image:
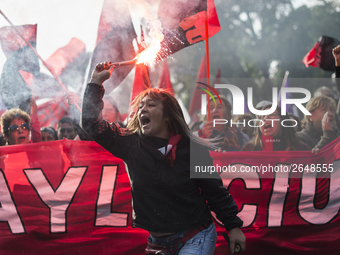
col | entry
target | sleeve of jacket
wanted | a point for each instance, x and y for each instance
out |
(110, 136)
(218, 198)
(328, 137)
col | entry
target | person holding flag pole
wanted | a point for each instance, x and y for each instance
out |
(156, 146)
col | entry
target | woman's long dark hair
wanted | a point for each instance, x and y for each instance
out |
(171, 110)
(288, 134)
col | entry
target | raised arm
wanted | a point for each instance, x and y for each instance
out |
(92, 102)
(109, 135)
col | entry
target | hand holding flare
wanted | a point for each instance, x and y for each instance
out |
(146, 56)
(103, 70)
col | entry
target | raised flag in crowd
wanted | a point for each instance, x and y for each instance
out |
(69, 64)
(21, 65)
(114, 41)
(321, 54)
(184, 23)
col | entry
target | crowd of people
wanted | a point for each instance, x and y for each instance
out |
(155, 145)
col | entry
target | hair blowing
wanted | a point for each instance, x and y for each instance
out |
(171, 110)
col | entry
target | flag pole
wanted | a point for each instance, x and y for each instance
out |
(207, 52)
(36, 53)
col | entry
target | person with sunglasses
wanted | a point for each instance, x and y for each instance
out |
(15, 126)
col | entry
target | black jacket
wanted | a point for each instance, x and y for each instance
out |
(165, 198)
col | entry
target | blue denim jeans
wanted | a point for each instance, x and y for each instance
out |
(203, 243)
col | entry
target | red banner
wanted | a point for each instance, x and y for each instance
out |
(73, 197)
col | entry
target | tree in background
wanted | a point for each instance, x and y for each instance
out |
(260, 39)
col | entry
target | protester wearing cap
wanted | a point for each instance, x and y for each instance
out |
(15, 126)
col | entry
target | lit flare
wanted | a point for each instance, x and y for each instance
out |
(145, 57)
(149, 54)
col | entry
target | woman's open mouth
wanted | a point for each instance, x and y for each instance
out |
(145, 121)
(21, 139)
(267, 127)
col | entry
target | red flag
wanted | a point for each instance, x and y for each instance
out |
(164, 80)
(114, 40)
(321, 54)
(11, 41)
(183, 23)
(13, 88)
(65, 55)
(195, 103)
(70, 62)
(141, 81)
(218, 79)
(50, 111)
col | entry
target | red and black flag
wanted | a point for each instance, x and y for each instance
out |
(22, 63)
(184, 23)
(114, 41)
(321, 54)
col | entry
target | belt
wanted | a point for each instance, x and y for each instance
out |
(162, 249)
(191, 233)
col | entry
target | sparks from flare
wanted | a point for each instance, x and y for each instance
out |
(148, 54)
(145, 57)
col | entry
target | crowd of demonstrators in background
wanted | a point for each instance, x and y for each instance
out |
(66, 128)
(156, 148)
(230, 137)
(321, 127)
(271, 136)
(48, 134)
